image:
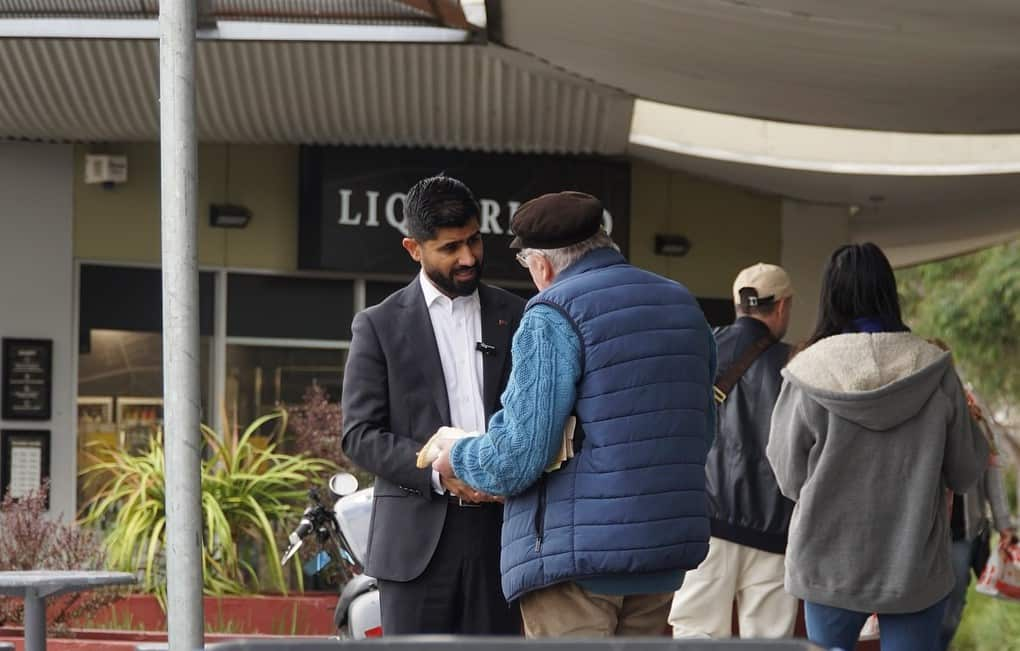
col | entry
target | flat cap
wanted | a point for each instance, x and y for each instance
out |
(555, 220)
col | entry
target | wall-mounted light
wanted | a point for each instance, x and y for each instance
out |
(672, 245)
(224, 215)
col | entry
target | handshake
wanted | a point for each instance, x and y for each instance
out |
(440, 442)
(443, 439)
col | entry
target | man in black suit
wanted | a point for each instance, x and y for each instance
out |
(434, 353)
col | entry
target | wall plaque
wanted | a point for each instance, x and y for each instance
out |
(27, 379)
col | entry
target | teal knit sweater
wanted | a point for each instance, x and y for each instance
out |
(525, 436)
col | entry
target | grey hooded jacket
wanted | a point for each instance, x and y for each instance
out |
(868, 433)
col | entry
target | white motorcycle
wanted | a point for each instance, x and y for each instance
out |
(357, 614)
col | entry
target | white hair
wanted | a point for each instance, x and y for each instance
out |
(563, 257)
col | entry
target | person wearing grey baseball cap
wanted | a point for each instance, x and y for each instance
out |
(600, 446)
(762, 285)
(749, 516)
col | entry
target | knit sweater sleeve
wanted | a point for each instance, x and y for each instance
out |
(525, 436)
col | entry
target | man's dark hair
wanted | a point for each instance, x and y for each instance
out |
(438, 202)
(857, 283)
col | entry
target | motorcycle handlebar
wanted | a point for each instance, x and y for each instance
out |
(316, 516)
(304, 528)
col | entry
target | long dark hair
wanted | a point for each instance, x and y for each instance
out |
(857, 283)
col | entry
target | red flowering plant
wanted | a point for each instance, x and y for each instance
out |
(29, 540)
(316, 425)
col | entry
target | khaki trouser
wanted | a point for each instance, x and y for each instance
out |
(703, 606)
(568, 610)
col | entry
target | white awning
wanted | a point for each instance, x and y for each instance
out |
(420, 12)
(451, 96)
(920, 196)
(748, 93)
(909, 65)
(576, 71)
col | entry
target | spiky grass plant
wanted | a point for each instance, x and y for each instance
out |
(246, 488)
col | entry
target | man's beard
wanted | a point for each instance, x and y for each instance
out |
(451, 286)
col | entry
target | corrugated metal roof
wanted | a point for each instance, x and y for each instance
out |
(461, 97)
(320, 10)
(357, 11)
(76, 7)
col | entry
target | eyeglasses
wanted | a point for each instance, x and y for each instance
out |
(522, 259)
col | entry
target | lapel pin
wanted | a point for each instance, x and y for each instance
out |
(501, 322)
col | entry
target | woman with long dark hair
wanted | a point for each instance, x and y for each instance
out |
(870, 430)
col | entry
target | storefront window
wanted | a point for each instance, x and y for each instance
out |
(289, 307)
(261, 379)
(284, 335)
(120, 392)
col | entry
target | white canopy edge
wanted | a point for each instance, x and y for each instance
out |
(915, 239)
(820, 149)
(908, 255)
(230, 30)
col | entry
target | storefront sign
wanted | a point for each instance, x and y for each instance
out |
(352, 200)
(27, 378)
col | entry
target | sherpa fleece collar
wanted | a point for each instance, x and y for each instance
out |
(877, 380)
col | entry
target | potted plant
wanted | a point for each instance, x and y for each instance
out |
(248, 487)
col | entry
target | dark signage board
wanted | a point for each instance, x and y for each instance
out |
(24, 462)
(27, 378)
(351, 212)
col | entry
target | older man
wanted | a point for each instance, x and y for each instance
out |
(597, 546)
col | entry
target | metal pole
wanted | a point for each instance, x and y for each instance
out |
(218, 401)
(178, 160)
(35, 621)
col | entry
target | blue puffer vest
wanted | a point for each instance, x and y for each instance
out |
(633, 499)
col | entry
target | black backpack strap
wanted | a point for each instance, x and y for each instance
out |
(725, 381)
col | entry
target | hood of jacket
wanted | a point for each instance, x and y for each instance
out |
(876, 380)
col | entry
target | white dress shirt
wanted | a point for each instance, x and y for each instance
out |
(457, 324)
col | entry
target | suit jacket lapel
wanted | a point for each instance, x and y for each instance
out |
(495, 333)
(422, 350)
